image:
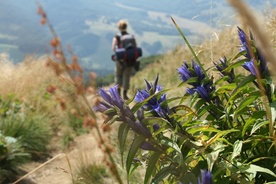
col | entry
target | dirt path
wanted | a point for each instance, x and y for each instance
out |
(85, 150)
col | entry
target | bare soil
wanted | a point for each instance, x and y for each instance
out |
(61, 166)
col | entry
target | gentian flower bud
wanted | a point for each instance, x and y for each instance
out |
(222, 66)
(249, 66)
(147, 146)
(203, 93)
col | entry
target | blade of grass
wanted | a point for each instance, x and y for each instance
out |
(189, 46)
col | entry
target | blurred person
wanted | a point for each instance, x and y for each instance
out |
(124, 44)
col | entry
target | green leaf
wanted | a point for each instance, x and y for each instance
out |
(170, 143)
(213, 156)
(237, 149)
(241, 86)
(182, 107)
(236, 64)
(139, 105)
(273, 110)
(189, 178)
(221, 80)
(112, 120)
(163, 173)
(181, 116)
(255, 168)
(122, 135)
(246, 102)
(257, 125)
(151, 166)
(164, 124)
(199, 104)
(226, 88)
(153, 120)
(252, 119)
(133, 150)
(207, 128)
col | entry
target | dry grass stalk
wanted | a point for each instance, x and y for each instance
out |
(261, 38)
(45, 163)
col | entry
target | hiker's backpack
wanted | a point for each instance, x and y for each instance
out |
(127, 50)
(126, 41)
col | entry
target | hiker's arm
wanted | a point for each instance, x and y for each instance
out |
(114, 44)
(135, 44)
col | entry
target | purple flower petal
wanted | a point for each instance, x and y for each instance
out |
(206, 177)
(105, 96)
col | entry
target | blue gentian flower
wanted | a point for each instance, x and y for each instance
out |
(113, 101)
(244, 43)
(222, 66)
(113, 98)
(102, 107)
(242, 36)
(156, 127)
(262, 64)
(206, 177)
(249, 66)
(187, 72)
(190, 91)
(154, 103)
(200, 84)
(204, 92)
(198, 71)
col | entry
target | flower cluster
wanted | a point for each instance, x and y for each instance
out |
(255, 62)
(155, 104)
(194, 76)
(114, 106)
(251, 52)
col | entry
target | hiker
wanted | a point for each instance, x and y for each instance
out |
(126, 42)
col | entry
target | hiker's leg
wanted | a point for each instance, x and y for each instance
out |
(119, 75)
(125, 97)
(126, 80)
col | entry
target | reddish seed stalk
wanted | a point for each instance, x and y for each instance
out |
(77, 82)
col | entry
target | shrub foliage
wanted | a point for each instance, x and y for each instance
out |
(221, 130)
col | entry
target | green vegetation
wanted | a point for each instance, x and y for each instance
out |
(91, 174)
(24, 135)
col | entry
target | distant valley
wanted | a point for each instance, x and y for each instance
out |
(88, 26)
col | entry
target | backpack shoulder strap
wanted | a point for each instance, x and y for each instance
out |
(118, 38)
